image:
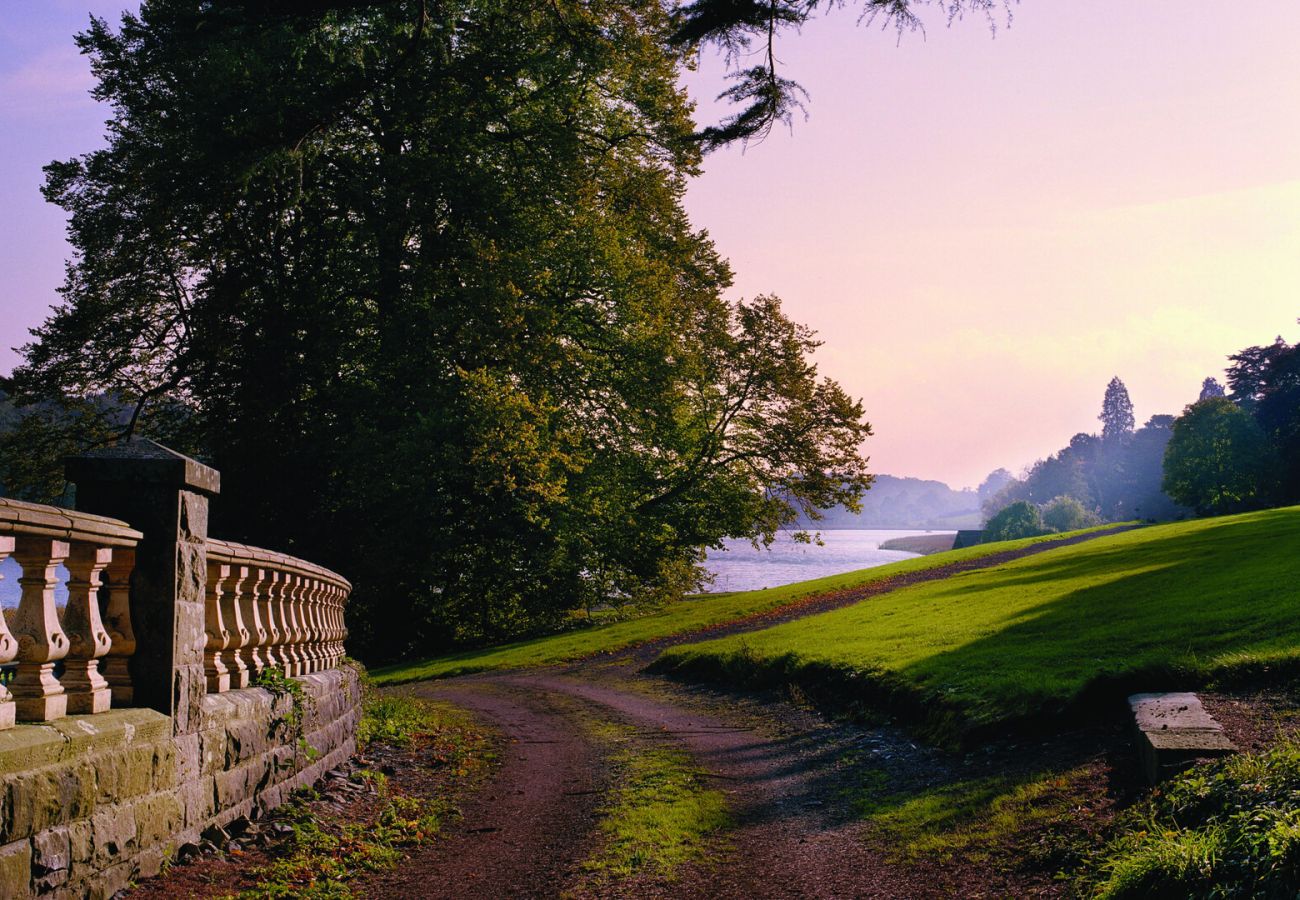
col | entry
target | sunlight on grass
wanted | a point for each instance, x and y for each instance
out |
(970, 819)
(1169, 604)
(659, 815)
(691, 614)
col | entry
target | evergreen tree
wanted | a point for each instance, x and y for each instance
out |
(1210, 388)
(1116, 412)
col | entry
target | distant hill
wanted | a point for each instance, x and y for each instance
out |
(896, 502)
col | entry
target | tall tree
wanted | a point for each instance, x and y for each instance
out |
(418, 280)
(1218, 460)
(1266, 383)
(1116, 412)
(1211, 388)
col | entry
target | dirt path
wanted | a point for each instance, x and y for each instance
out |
(783, 772)
(525, 833)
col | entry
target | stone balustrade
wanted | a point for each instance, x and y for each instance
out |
(265, 610)
(94, 627)
(177, 626)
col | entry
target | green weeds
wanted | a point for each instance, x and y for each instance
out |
(1017, 820)
(1226, 829)
(323, 855)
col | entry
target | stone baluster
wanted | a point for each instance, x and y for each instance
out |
(284, 617)
(8, 647)
(307, 633)
(215, 672)
(323, 613)
(86, 689)
(332, 610)
(233, 619)
(340, 626)
(293, 631)
(271, 620)
(326, 625)
(41, 642)
(117, 621)
(250, 608)
(315, 628)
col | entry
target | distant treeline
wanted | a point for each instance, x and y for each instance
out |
(906, 503)
(1115, 476)
(1233, 449)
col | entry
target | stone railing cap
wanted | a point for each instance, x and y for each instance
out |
(237, 554)
(20, 518)
(143, 460)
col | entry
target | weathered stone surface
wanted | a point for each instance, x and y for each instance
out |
(51, 858)
(48, 796)
(28, 746)
(1173, 730)
(212, 749)
(106, 805)
(114, 835)
(81, 839)
(15, 869)
(122, 775)
(198, 800)
(158, 818)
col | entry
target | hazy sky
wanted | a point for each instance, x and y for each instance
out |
(983, 230)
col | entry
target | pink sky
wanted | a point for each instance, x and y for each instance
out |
(983, 231)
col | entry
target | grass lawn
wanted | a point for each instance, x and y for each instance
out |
(685, 616)
(1170, 605)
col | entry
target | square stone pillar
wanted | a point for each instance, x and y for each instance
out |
(164, 495)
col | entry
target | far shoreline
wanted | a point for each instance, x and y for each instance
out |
(923, 544)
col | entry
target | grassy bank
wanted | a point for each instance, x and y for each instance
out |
(1169, 605)
(691, 614)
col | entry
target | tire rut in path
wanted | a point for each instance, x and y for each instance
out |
(524, 832)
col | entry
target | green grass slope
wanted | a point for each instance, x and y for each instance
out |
(1170, 605)
(683, 617)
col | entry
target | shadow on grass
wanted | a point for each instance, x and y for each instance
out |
(1145, 611)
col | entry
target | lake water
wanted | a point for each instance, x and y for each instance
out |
(739, 567)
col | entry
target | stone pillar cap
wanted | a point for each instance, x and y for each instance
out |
(143, 461)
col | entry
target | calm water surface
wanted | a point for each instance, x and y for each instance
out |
(739, 567)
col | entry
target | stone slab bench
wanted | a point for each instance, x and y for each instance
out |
(1173, 731)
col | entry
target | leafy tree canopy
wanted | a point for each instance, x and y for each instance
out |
(1265, 382)
(1067, 514)
(417, 278)
(1218, 459)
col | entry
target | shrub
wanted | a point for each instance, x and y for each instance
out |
(1068, 514)
(1019, 520)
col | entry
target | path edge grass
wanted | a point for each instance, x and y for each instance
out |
(533, 652)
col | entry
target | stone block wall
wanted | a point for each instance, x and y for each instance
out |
(89, 804)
